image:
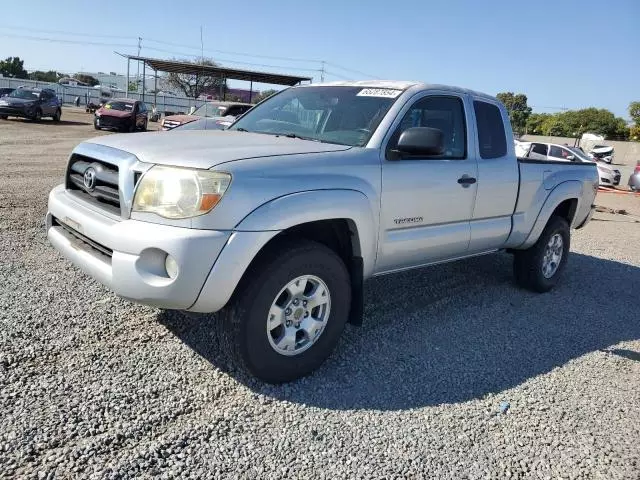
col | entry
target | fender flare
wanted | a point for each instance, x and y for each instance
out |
(265, 222)
(570, 190)
(314, 205)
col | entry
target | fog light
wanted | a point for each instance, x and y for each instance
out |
(171, 266)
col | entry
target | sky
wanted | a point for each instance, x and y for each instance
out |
(563, 54)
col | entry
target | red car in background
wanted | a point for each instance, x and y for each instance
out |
(122, 114)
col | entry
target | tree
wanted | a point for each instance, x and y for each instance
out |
(535, 123)
(50, 76)
(518, 109)
(194, 85)
(133, 86)
(634, 133)
(13, 67)
(634, 112)
(88, 79)
(262, 95)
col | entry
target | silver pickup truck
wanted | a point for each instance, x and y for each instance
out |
(277, 221)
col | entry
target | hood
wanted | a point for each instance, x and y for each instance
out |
(181, 118)
(18, 101)
(208, 148)
(603, 168)
(108, 112)
(602, 150)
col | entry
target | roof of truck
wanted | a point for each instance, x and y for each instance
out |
(398, 85)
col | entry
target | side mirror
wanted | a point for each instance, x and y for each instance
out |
(420, 141)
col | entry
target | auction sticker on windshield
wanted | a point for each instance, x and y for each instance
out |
(379, 92)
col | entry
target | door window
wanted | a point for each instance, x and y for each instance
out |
(443, 113)
(555, 151)
(540, 149)
(492, 140)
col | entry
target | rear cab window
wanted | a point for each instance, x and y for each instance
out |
(492, 140)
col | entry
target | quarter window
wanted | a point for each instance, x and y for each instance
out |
(492, 140)
(443, 113)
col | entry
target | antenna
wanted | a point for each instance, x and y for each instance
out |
(322, 73)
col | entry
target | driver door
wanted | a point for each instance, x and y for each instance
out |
(427, 201)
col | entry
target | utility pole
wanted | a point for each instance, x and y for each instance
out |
(322, 73)
(138, 75)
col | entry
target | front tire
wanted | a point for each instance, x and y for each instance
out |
(57, 116)
(539, 267)
(4, 117)
(288, 312)
(37, 116)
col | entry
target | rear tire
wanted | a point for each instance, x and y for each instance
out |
(56, 116)
(539, 267)
(4, 117)
(246, 325)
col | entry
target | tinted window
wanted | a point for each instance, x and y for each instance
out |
(445, 114)
(492, 139)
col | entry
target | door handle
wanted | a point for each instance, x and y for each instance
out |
(465, 180)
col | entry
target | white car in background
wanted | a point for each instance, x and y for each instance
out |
(609, 177)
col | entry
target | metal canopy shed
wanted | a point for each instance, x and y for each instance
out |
(174, 66)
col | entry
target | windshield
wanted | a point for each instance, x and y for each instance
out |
(336, 114)
(121, 106)
(580, 154)
(210, 110)
(26, 94)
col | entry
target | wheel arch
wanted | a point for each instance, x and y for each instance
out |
(562, 201)
(342, 220)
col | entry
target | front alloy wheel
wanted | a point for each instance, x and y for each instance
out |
(298, 315)
(288, 312)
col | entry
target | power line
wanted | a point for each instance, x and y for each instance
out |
(70, 34)
(336, 75)
(242, 54)
(72, 42)
(350, 70)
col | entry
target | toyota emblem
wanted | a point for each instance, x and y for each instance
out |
(89, 179)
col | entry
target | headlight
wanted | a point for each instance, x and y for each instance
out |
(173, 192)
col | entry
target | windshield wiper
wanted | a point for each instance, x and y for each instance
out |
(294, 135)
(240, 129)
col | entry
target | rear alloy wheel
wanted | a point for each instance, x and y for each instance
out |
(539, 267)
(288, 312)
(57, 116)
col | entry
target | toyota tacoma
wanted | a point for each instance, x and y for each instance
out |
(277, 222)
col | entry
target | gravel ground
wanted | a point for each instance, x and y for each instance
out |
(94, 386)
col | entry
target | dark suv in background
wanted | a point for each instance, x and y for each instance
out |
(31, 103)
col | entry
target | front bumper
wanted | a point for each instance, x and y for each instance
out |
(106, 121)
(128, 256)
(15, 111)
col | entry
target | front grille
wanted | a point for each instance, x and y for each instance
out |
(70, 232)
(104, 191)
(110, 122)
